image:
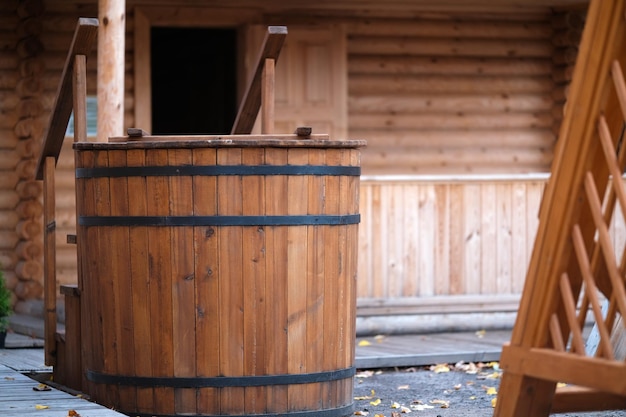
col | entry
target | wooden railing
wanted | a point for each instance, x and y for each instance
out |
(260, 91)
(71, 95)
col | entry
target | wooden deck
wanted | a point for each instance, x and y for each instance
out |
(19, 398)
(428, 349)
(24, 356)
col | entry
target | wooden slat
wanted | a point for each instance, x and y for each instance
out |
(251, 102)
(141, 281)
(276, 290)
(255, 343)
(183, 282)
(49, 219)
(268, 96)
(207, 283)
(160, 270)
(231, 289)
(82, 43)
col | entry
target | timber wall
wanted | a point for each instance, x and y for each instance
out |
(438, 97)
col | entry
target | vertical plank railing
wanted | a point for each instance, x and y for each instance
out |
(70, 95)
(574, 262)
(261, 86)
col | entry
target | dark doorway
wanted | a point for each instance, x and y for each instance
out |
(193, 80)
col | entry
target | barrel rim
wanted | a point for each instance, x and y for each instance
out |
(220, 142)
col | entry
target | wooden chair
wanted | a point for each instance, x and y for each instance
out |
(575, 263)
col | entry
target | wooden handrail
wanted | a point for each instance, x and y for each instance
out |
(71, 94)
(82, 43)
(251, 103)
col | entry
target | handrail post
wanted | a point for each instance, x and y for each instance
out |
(251, 102)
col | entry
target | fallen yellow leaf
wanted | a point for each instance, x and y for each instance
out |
(493, 402)
(375, 402)
(41, 407)
(441, 403)
(439, 368)
(491, 391)
(364, 343)
(561, 384)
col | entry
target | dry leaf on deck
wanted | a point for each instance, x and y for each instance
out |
(41, 407)
(375, 402)
(364, 343)
(441, 403)
(491, 390)
(439, 368)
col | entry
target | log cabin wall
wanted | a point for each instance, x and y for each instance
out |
(460, 131)
(22, 114)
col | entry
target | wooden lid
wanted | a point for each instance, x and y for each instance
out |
(219, 141)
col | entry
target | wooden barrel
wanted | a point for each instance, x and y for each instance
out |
(217, 277)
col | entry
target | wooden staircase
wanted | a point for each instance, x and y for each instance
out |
(575, 264)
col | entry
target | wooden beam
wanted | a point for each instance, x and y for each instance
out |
(82, 43)
(49, 260)
(111, 44)
(251, 103)
(267, 97)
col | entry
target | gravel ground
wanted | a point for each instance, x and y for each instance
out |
(464, 390)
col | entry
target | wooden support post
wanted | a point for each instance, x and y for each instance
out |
(80, 96)
(267, 97)
(112, 16)
(49, 261)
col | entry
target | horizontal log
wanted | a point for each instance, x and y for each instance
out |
(453, 103)
(66, 257)
(9, 100)
(438, 84)
(421, 159)
(568, 20)
(29, 270)
(448, 47)
(27, 148)
(29, 249)
(29, 229)
(28, 290)
(29, 86)
(9, 160)
(8, 199)
(414, 65)
(29, 209)
(26, 168)
(10, 279)
(565, 38)
(8, 219)
(430, 28)
(32, 67)
(8, 180)
(563, 74)
(565, 56)
(538, 138)
(8, 80)
(8, 239)
(29, 47)
(8, 259)
(29, 127)
(30, 26)
(30, 107)
(456, 121)
(28, 8)
(29, 189)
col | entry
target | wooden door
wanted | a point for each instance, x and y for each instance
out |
(311, 79)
